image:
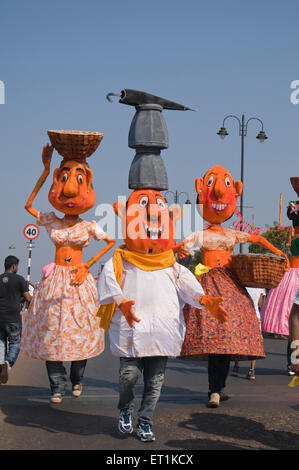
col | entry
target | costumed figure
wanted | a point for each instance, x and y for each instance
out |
(277, 307)
(206, 338)
(142, 289)
(61, 323)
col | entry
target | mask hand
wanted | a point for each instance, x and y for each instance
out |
(180, 250)
(126, 307)
(214, 307)
(80, 273)
(47, 156)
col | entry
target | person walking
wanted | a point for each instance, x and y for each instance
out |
(12, 288)
(61, 324)
(294, 335)
(258, 296)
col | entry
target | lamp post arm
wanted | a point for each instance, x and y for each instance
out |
(169, 192)
(183, 192)
(254, 119)
(232, 116)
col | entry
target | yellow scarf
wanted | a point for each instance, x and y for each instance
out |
(294, 382)
(142, 261)
(201, 269)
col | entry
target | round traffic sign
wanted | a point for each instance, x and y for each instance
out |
(31, 231)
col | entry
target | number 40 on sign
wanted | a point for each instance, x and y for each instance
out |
(31, 231)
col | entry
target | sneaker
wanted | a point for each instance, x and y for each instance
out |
(125, 423)
(4, 372)
(290, 372)
(76, 390)
(214, 400)
(144, 432)
(235, 371)
(250, 375)
(56, 398)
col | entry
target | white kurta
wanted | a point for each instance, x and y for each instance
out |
(159, 299)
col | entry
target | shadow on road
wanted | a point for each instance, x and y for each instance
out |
(24, 408)
(233, 427)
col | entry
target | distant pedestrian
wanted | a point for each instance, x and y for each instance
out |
(258, 297)
(12, 288)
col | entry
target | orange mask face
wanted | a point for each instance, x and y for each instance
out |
(218, 194)
(72, 192)
(147, 224)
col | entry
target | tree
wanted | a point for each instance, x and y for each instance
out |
(278, 236)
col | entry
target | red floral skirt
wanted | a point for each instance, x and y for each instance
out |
(240, 336)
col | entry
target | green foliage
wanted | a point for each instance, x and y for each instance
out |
(279, 237)
(197, 258)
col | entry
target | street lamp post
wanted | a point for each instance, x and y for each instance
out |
(243, 133)
(176, 196)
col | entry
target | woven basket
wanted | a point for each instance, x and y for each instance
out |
(254, 270)
(75, 145)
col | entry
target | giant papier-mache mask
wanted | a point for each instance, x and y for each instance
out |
(72, 192)
(217, 195)
(148, 226)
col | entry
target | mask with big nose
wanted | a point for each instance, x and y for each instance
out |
(72, 192)
(148, 226)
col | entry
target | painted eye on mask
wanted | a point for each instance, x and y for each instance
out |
(210, 181)
(161, 203)
(227, 182)
(80, 179)
(65, 177)
(143, 201)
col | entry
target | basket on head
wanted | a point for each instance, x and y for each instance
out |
(75, 145)
(255, 270)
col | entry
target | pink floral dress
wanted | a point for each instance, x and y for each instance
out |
(61, 323)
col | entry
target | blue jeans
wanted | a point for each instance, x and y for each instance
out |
(131, 368)
(10, 339)
(57, 374)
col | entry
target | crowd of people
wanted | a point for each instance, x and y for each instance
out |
(151, 305)
(14, 300)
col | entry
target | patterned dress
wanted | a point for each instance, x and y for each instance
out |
(240, 336)
(61, 323)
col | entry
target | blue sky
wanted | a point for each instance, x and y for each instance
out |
(58, 59)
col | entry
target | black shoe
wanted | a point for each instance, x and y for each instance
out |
(223, 396)
(250, 375)
(235, 371)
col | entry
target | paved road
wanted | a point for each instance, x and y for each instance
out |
(260, 415)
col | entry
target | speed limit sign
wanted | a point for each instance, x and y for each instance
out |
(31, 231)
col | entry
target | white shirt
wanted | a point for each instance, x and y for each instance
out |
(159, 299)
(255, 294)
